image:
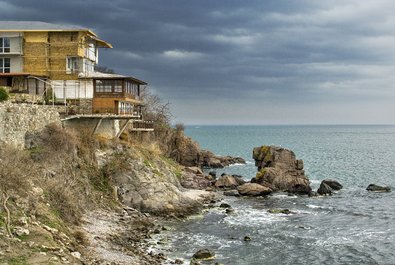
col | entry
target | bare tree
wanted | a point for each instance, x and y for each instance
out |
(155, 109)
(104, 69)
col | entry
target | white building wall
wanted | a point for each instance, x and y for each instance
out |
(15, 41)
(73, 89)
(16, 64)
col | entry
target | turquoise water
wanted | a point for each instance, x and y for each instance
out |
(350, 227)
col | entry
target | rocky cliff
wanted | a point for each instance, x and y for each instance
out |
(279, 170)
(70, 186)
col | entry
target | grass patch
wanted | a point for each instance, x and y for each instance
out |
(22, 260)
(2, 223)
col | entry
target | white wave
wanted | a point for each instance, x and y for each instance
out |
(284, 196)
(251, 217)
(314, 206)
(236, 165)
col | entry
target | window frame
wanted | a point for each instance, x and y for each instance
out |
(75, 65)
(5, 45)
(3, 67)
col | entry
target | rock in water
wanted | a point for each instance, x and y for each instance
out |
(204, 254)
(376, 188)
(253, 189)
(231, 193)
(324, 189)
(277, 211)
(229, 182)
(279, 169)
(334, 184)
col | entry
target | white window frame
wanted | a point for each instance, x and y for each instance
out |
(3, 67)
(3, 47)
(72, 64)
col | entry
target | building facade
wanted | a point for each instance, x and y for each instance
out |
(38, 58)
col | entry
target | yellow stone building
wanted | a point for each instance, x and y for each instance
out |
(38, 57)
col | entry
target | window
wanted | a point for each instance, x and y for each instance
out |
(132, 88)
(4, 45)
(89, 66)
(5, 65)
(109, 86)
(72, 65)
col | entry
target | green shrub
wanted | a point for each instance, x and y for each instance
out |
(3, 94)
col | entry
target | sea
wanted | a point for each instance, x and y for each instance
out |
(353, 226)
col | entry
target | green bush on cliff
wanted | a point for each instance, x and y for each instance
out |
(3, 94)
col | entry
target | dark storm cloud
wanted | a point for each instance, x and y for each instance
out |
(236, 55)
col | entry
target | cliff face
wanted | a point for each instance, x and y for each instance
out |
(146, 180)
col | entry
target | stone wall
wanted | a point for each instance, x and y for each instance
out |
(18, 119)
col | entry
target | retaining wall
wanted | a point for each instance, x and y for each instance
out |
(18, 119)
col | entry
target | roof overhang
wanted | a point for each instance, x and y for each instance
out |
(101, 43)
(101, 76)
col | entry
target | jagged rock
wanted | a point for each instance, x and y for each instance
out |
(193, 170)
(376, 188)
(20, 231)
(225, 205)
(324, 189)
(231, 193)
(279, 170)
(212, 161)
(193, 181)
(253, 189)
(228, 182)
(334, 184)
(204, 254)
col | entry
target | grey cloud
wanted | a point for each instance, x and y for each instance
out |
(235, 55)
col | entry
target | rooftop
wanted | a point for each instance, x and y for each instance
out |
(99, 75)
(32, 26)
(37, 25)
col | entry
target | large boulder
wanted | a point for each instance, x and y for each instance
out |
(376, 188)
(279, 170)
(324, 189)
(191, 180)
(334, 184)
(253, 189)
(229, 182)
(208, 159)
(204, 254)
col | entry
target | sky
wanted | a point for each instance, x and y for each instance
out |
(245, 62)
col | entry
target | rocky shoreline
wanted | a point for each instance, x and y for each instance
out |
(151, 189)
